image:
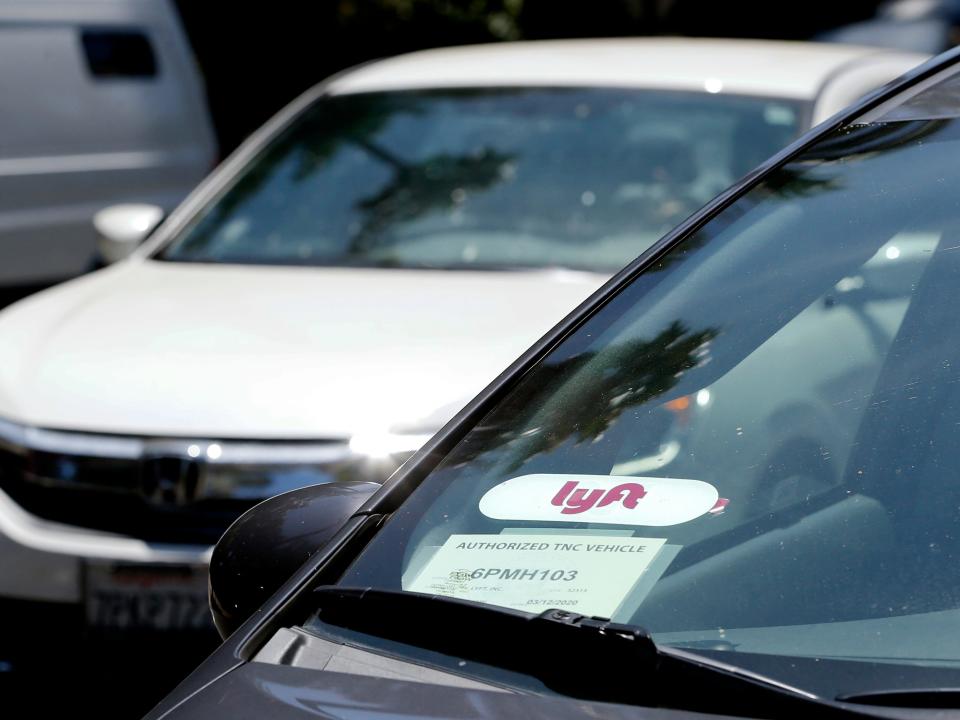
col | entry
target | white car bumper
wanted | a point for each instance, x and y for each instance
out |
(42, 560)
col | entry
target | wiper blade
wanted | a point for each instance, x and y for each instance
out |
(584, 657)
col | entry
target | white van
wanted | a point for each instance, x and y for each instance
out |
(102, 103)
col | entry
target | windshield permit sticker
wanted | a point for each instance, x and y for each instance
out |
(648, 501)
(591, 575)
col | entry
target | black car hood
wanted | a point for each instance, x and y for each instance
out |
(262, 690)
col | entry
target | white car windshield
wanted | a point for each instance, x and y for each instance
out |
(485, 178)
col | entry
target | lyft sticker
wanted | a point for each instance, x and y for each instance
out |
(648, 501)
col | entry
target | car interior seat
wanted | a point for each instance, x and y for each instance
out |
(907, 451)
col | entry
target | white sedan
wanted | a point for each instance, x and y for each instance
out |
(352, 275)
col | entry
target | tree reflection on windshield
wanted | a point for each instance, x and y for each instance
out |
(583, 178)
(580, 398)
(441, 182)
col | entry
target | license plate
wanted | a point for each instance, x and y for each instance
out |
(138, 597)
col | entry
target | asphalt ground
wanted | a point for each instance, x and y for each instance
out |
(52, 665)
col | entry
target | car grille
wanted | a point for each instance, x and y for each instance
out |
(159, 498)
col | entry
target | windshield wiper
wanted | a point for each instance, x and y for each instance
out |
(578, 656)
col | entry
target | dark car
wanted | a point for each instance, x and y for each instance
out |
(524, 563)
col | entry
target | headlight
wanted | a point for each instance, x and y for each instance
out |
(383, 445)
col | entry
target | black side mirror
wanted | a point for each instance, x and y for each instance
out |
(266, 544)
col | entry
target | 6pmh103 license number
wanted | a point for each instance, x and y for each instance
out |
(590, 575)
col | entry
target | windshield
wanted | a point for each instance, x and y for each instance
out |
(485, 179)
(751, 450)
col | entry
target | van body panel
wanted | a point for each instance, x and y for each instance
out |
(103, 104)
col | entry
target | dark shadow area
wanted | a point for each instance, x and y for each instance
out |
(52, 666)
(10, 294)
(255, 61)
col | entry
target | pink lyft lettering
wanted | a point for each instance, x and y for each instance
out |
(578, 500)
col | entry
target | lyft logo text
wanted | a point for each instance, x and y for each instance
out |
(574, 499)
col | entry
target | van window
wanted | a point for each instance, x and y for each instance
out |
(118, 53)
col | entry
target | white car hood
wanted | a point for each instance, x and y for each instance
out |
(193, 350)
